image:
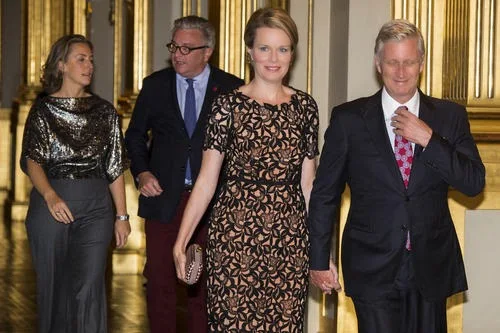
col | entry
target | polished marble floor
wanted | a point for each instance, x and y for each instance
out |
(127, 308)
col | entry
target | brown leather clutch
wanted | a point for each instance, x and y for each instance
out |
(194, 263)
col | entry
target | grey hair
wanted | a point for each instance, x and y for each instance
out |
(398, 30)
(196, 22)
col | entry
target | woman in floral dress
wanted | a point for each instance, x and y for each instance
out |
(264, 138)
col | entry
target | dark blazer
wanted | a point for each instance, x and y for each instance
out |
(357, 152)
(157, 112)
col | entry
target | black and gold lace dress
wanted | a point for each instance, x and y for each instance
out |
(257, 252)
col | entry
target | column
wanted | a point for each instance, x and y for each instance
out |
(4, 128)
(135, 53)
(132, 20)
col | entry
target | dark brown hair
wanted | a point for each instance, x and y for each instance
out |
(51, 74)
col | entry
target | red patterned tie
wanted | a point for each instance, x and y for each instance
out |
(404, 157)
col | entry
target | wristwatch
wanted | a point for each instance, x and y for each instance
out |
(125, 217)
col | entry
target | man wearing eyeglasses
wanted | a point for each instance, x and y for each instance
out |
(164, 141)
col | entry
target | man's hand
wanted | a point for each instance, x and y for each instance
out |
(149, 185)
(326, 280)
(411, 127)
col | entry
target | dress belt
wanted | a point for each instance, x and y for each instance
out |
(264, 181)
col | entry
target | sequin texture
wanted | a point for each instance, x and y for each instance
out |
(75, 138)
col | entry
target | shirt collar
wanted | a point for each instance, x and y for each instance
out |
(389, 104)
(200, 79)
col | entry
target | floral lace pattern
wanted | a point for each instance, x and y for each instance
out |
(257, 252)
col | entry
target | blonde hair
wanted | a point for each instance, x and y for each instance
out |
(398, 30)
(269, 17)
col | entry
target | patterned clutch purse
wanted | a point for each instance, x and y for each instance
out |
(194, 263)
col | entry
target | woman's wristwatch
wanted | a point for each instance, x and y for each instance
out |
(125, 217)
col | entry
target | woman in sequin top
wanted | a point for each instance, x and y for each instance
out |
(74, 155)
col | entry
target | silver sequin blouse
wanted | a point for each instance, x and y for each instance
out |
(75, 138)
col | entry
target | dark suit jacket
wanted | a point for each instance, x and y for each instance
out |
(357, 152)
(157, 111)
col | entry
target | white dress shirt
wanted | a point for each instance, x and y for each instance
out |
(390, 105)
(200, 87)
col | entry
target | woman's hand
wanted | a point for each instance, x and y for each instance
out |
(180, 262)
(58, 208)
(122, 224)
(200, 198)
(122, 230)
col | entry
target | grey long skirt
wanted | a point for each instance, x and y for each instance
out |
(70, 259)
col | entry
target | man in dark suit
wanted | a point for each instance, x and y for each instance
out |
(399, 151)
(164, 142)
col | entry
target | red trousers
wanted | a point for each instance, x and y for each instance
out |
(162, 281)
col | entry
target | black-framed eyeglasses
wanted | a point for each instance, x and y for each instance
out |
(185, 50)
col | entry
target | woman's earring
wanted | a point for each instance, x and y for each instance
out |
(249, 58)
(60, 69)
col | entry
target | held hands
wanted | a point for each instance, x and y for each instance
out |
(326, 280)
(180, 262)
(411, 127)
(58, 208)
(122, 230)
(148, 184)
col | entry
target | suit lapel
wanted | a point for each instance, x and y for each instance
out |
(173, 100)
(375, 122)
(427, 114)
